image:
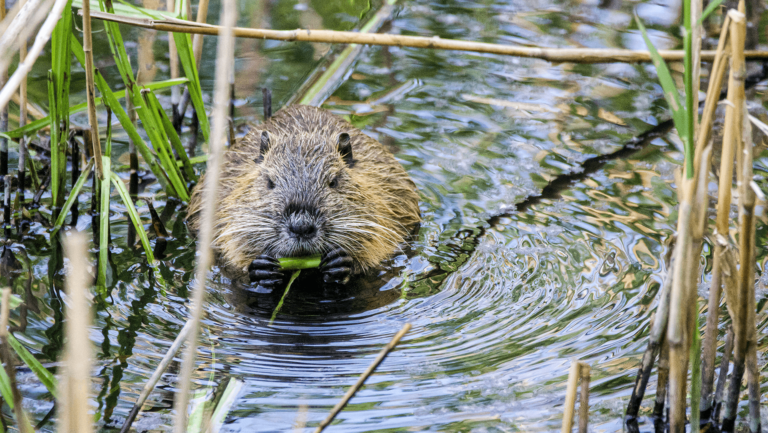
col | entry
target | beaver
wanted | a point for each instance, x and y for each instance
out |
(306, 182)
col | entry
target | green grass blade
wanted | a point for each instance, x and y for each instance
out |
(104, 224)
(153, 128)
(710, 8)
(55, 136)
(5, 388)
(134, 215)
(184, 48)
(72, 196)
(45, 376)
(128, 10)
(690, 110)
(173, 137)
(679, 115)
(32, 127)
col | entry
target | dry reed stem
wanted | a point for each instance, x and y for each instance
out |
(662, 380)
(22, 119)
(152, 382)
(753, 375)
(573, 55)
(7, 358)
(224, 65)
(656, 337)
(723, 210)
(91, 89)
(43, 36)
(570, 397)
(18, 26)
(584, 397)
(363, 377)
(76, 375)
(737, 300)
(724, 361)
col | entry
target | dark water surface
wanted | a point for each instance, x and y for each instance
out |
(493, 336)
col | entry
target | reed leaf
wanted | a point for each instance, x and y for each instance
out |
(134, 215)
(61, 62)
(225, 404)
(187, 58)
(72, 197)
(690, 110)
(173, 137)
(32, 127)
(710, 8)
(55, 137)
(101, 279)
(679, 112)
(127, 10)
(43, 375)
(5, 388)
(153, 128)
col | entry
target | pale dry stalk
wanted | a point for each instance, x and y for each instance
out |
(75, 378)
(723, 211)
(43, 36)
(22, 119)
(91, 88)
(556, 55)
(224, 64)
(570, 397)
(737, 300)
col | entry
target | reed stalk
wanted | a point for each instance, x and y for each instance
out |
(17, 25)
(570, 397)
(90, 88)
(22, 122)
(662, 381)
(4, 110)
(555, 55)
(363, 377)
(133, 179)
(584, 397)
(224, 64)
(197, 49)
(723, 376)
(658, 330)
(7, 207)
(7, 358)
(76, 376)
(174, 64)
(722, 221)
(737, 300)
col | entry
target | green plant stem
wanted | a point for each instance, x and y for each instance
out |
(285, 294)
(104, 224)
(72, 197)
(297, 263)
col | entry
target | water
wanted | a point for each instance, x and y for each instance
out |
(502, 314)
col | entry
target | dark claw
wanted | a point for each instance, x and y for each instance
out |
(265, 271)
(336, 267)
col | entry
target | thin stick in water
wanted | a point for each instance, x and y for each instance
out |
(75, 378)
(359, 384)
(584, 397)
(570, 397)
(152, 382)
(90, 89)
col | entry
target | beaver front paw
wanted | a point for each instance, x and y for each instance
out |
(336, 267)
(265, 271)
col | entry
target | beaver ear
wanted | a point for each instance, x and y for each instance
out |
(263, 147)
(345, 149)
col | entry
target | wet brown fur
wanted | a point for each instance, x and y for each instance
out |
(370, 212)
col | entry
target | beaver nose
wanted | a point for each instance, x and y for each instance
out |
(302, 229)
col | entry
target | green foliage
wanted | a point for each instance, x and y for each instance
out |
(45, 376)
(72, 197)
(134, 215)
(683, 122)
(187, 60)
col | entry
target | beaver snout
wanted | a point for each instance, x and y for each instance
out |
(302, 228)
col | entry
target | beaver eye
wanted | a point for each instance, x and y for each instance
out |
(334, 183)
(270, 184)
